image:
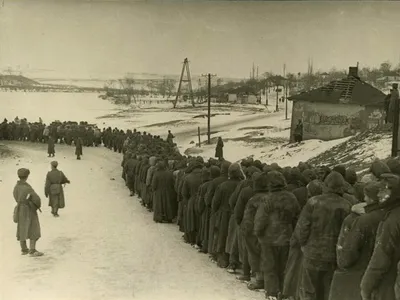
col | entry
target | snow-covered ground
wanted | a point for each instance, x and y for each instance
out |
(105, 245)
(248, 130)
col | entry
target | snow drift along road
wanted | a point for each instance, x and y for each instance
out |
(104, 245)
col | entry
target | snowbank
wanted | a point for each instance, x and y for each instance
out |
(359, 151)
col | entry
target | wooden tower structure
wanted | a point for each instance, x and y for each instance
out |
(188, 79)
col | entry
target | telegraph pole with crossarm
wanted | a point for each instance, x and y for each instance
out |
(209, 107)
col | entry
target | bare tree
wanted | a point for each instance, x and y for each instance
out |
(128, 85)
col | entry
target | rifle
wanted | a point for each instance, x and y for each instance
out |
(28, 197)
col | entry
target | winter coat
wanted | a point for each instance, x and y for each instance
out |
(164, 201)
(219, 152)
(149, 177)
(355, 247)
(28, 226)
(231, 241)
(379, 279)
(55, 178)
(220, 207)
(204, 211)
(78, 147)
(301, 195)
(51, 146)
(277, 215)
(244, 197)
(321, 220)
(129, 168)
(209, 199)
(190, 190)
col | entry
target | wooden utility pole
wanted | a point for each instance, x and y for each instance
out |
(286, 88)
(188, 80)
(395, 137)
(209, 107)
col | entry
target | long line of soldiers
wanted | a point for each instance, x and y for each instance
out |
(67, 133)
(298, 233)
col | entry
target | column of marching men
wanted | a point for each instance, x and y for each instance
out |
(305, 232)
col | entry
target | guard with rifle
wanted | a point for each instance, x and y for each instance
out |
(25, 214)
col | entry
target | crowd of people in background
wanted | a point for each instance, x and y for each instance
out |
(304, 232)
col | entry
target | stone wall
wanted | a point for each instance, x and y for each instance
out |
(328, 121)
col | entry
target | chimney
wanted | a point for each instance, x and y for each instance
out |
(353, 72)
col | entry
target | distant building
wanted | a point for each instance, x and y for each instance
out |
(338, 109)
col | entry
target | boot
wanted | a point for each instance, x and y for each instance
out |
(24, 248)
(33, 252)
(243, 277)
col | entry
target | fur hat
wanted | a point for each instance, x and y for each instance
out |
(235, 171)
(215, 172)
(276, 180)
(23, 172)
(315, 188)
(340, 169)
(351, 176)
(378, 168)
(260, 182)
(371, 189)
(335, 183)
(394, 165)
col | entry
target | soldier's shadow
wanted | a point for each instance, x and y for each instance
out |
(43, 264)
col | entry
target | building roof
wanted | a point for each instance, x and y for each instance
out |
(350, 90)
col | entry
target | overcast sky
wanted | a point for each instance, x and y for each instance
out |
(105, 39)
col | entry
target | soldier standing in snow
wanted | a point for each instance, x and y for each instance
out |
(25, 214)
(219, 151)
(51, 147)
(78, 148)
(170, 137)
(298, 132)
(53, 188)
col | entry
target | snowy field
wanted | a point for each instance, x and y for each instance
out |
(247, 130)
(106, 245)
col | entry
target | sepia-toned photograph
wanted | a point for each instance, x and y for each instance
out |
(194, 150)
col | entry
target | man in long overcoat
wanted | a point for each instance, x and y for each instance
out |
(274, 224)
(53, 188)
(190, 188)
(219, 149)
(260, 189)
(220, 207)
(380, 277)
(244, 196)
(319, 227)
(356, 244)
(51, 146)
(164, 201)
(25, 214)
(78, 148)
(204, 210)
(208, 200)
